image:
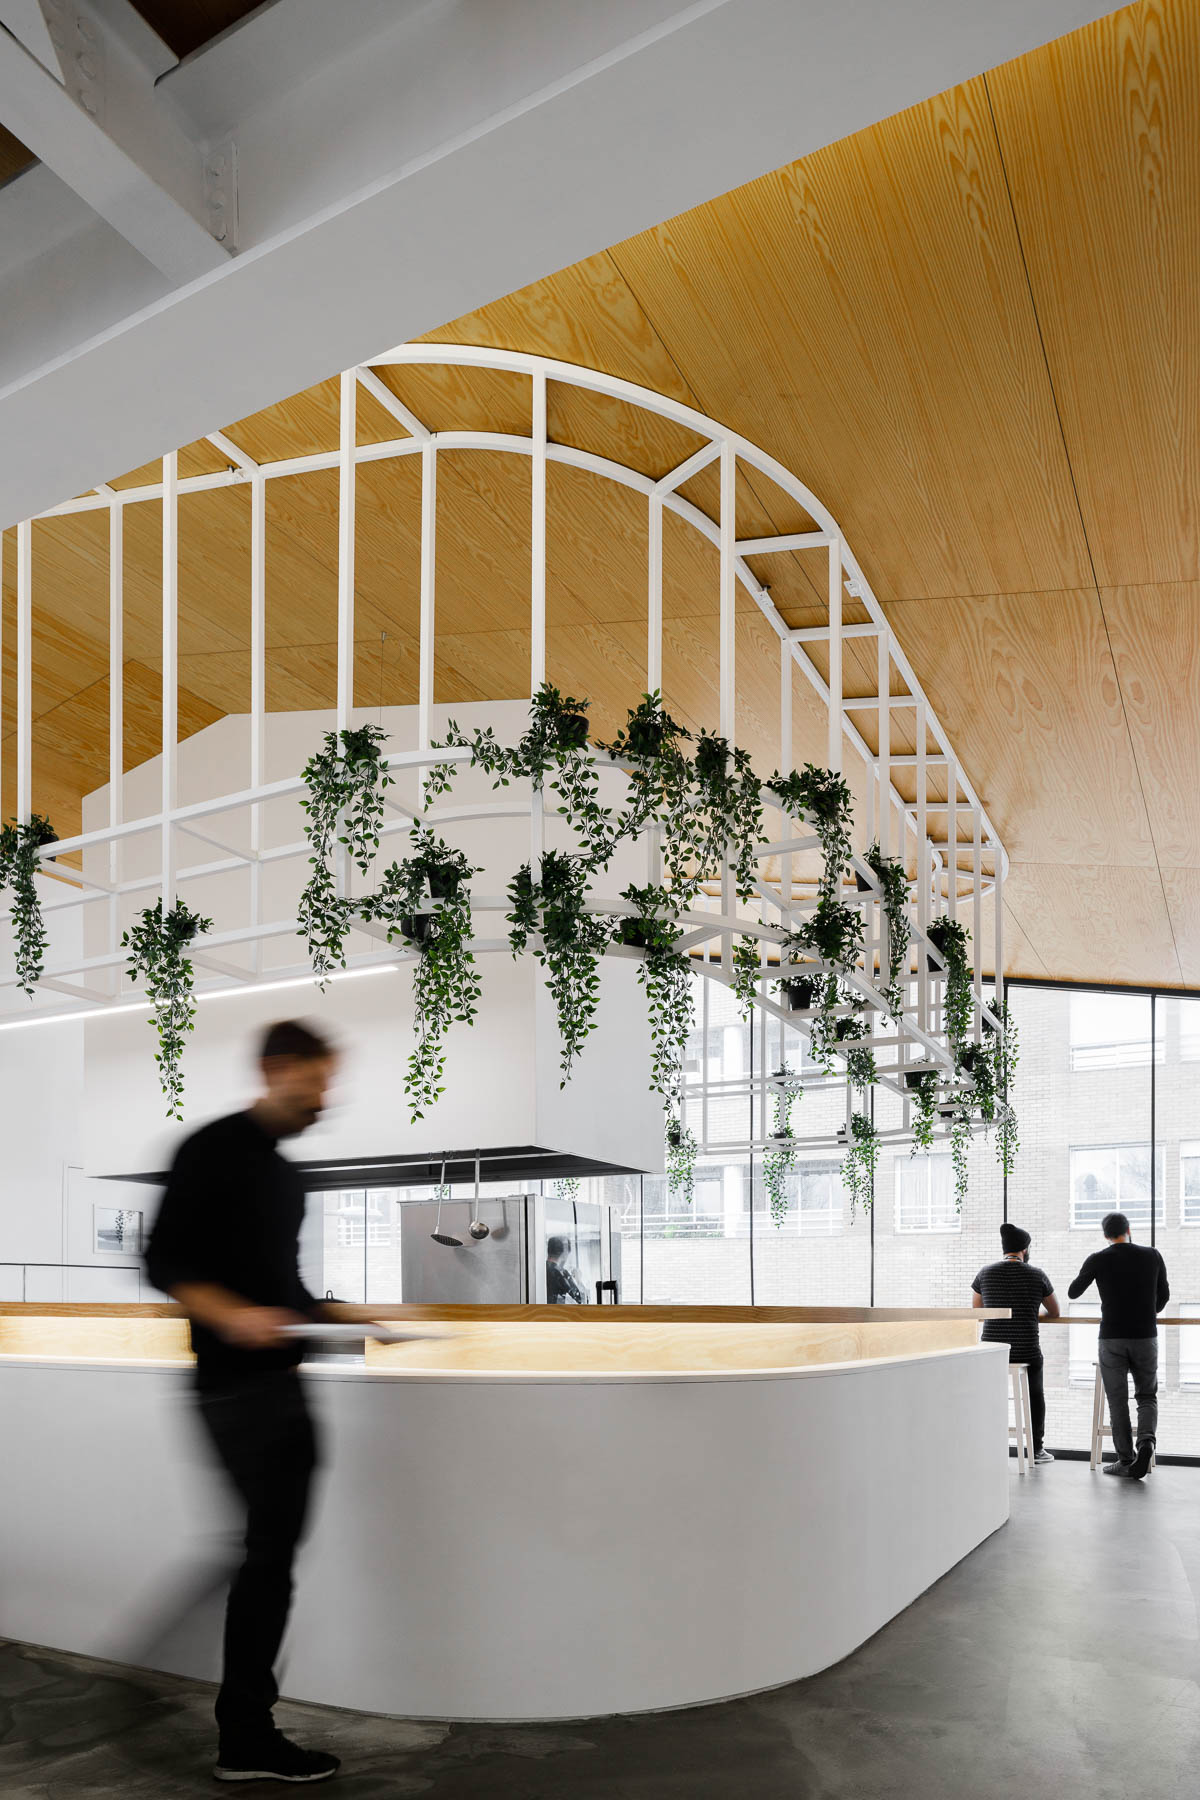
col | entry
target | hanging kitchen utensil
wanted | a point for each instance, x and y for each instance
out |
(437, 1234)
(477, 1228)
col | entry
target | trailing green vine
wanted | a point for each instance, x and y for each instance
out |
(924, 1087)
(567, 1188)
(426, 900)
(824, 797)
(555, 742)
(780, 1159)
(156, 946)
(960, 1138)
(833, 934)
(949, 938)
(1005, 1048)
(746, 972)
(568, 941)
(346, 780)
(889, 871)
(860, 1162)
(976, 1064)
(851, 1035)
(727, 819)
(19, 863)
(682, 1149)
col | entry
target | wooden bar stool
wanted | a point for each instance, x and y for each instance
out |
(1022, 1430)
(1100, 1426)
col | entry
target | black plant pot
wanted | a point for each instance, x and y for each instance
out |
(861, 883)
(634, 932)
(913, 1079)
(712, 758)
(674, 1137)
(645, 737)
(800, 994)
(415, 927)
(848, 1031)
(444, 880)
(571, 730)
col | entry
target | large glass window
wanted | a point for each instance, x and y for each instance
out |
(925, 1193)
(1111, 1178)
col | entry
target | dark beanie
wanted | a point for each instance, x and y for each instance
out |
(1012, 1238)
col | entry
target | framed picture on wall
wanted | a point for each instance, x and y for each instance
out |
(118, 1231)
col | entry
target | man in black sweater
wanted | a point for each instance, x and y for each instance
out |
(225, 1246)
(1028, 1292)
(1132, 1279)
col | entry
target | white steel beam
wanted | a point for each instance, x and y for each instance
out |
(654, 595)
(835, 655)
(24, 670)
(134, 170)
(390, 402)
(346, 498)
(170, 668)
(428, 640)
(727, 525)
(537, 668)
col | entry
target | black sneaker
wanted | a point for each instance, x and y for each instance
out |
(1140, 1467)
(277, 1759)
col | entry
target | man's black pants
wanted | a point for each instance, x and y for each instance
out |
(264, 1437)
(1035, 1366)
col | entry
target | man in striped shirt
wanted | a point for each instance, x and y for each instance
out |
(1014, 1282)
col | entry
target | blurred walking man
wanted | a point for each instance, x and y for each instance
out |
(1026, 1291)
(1132, 1279)
(225, 1247)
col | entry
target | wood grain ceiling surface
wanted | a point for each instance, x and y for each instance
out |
(971, 329)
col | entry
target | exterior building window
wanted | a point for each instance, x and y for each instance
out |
(1112, 1178)
(1111, 1031)
(1189, 1186)
(1082, 1341)
(1189, 1348)
(925, 1193)
(820, 1192)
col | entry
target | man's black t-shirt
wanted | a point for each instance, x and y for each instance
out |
(231, 1214)
(1022, 1287)
(1132, 1279)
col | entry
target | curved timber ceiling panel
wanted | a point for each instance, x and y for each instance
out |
(971, 329)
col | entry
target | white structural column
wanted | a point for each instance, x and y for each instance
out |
(883, 760)
(998, 922)
(24, 670)
(923, 858)
(116, 709)
(170, 661)
(951, 837)
(258, 687)
(654, 573)
(537, 644)
(728, 631)
(785, 763)
(346, 497)
(428, 593)
(836, 720)
(977, 919)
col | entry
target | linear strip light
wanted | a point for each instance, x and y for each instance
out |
(141, 1006)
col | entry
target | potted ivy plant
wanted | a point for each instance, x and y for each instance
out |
(567, 940)
(799, 991)
(157, 944)
(344, 804)
(893, 881)
(860, 1161)
(425, 900)
(949, 939)
(20, 860)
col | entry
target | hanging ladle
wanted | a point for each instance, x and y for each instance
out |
(477, 1228)
(437, 1234)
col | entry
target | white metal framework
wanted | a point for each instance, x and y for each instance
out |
(953, 875)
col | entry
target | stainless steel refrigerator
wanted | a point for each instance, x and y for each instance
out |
(509, 1267)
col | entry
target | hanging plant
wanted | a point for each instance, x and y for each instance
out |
(568, 941)
(1005, 1051)
(425, 900)
(746, 973)
(682, 1149)
(833, 933)
(344, 806)
(824, 797)
(781, 1157)
(554, 743)
(728, 816)
(567, 1188)
(960, 1138)
(156, 945)
(666, 979)
(949, 938)
(893, 881)
(924, 1087)
(660, 773)
(976, 1064)
(860, 1063)
(859, 1162)
(19, 863)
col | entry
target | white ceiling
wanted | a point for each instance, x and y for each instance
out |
(398, 164)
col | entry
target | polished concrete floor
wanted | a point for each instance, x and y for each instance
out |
(1061, 1659)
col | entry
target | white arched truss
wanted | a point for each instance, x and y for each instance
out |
(954, 875)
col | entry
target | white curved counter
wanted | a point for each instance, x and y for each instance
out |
(533, 1542)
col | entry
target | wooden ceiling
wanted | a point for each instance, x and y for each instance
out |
(972, 330)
